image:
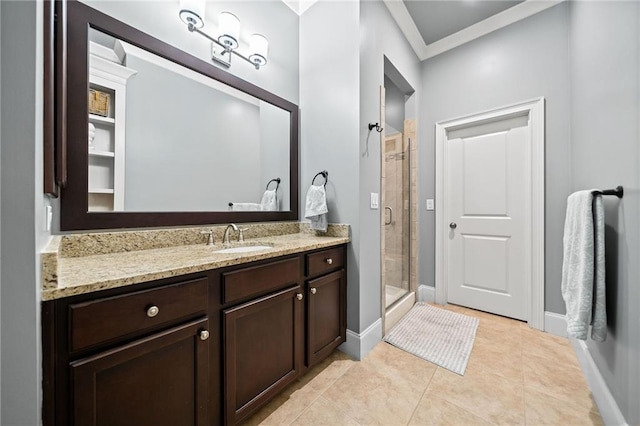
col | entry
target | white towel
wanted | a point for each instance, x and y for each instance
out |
(269, 200)
(245, 207)
(583, 267)
(316, 208)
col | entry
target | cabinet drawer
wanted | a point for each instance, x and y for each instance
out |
(258, 280)
(102, 320)
(325, 261)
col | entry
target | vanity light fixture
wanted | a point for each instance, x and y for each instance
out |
(228, 40)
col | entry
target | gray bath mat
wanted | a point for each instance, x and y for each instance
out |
(442, 337)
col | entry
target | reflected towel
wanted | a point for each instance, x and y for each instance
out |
(269, 200)
(583, 267)
(245, 207)
(316, 208)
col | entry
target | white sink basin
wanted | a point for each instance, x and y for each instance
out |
(243, 249)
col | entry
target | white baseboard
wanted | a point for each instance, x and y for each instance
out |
(359, 345)
(555, 324)
(607, 406)
(426, 293)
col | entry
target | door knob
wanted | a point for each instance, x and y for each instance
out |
(204, 334)
(453, 225)
(313, 290)
(299, 296)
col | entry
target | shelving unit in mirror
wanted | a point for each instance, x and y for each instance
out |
(107, 133)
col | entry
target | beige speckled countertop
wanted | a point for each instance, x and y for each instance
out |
(65, 276)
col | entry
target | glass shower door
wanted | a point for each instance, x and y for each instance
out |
(396, 226)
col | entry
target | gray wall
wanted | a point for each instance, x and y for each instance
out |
(380, 37)
(22, 211)
(0, 221)
(394, 107)
(605, 115)
(189, 147)
(523, 61)
(329, 122)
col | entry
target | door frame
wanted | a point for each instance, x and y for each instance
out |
(535, 110)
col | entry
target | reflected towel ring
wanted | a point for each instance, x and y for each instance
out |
(325, 175)
(276, 180)
(375, 126)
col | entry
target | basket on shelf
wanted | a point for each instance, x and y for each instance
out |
(99, 102)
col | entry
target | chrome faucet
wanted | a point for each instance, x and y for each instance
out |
(225, 238)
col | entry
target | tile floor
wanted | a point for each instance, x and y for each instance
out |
(515, 375)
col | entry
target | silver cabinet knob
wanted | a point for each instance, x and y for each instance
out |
(299, 296)
(204, 334)
(453, 225)
(152, 311)
(329, 260)
(313, 290)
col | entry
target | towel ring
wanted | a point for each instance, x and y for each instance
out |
(325, 175)
(276, 180)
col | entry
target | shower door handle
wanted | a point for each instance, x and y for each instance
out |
(390, 215)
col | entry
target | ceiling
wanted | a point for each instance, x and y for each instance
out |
(437, 19)
(435, 26)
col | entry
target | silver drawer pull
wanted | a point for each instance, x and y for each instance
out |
(329, 260)
(204, 334)
(313, 290)
(299, 296)
(152, 311)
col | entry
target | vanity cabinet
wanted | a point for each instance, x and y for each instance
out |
(158, 380)
(326, 303)
(203, 349)
(132, 356)
(262, 350)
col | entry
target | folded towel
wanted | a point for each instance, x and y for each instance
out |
(583, 267)
(316, 208)
(269, 200)
(245, 207)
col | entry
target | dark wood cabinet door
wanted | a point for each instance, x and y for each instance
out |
(326, 315)
(262, 350)
(159, 380)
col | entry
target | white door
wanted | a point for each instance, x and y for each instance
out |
(488, 200)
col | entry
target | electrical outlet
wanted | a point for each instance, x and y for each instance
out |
(374, 200)
(430, 204)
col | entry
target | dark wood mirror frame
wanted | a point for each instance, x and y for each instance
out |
(72, 22)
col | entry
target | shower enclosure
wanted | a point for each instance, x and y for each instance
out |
(398, 194)
(396, 227)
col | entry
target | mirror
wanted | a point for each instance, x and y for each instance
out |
(157, 137)
(226, 150)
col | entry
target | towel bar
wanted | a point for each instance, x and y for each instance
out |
(618, 192)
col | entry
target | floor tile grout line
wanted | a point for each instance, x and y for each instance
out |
(321, 394)
(459, 406)
(524, 393)
(422, 396)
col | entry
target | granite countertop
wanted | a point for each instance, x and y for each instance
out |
(65, 276)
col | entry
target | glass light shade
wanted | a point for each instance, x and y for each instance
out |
(229, 30)
(259, 48)
(192, 12)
